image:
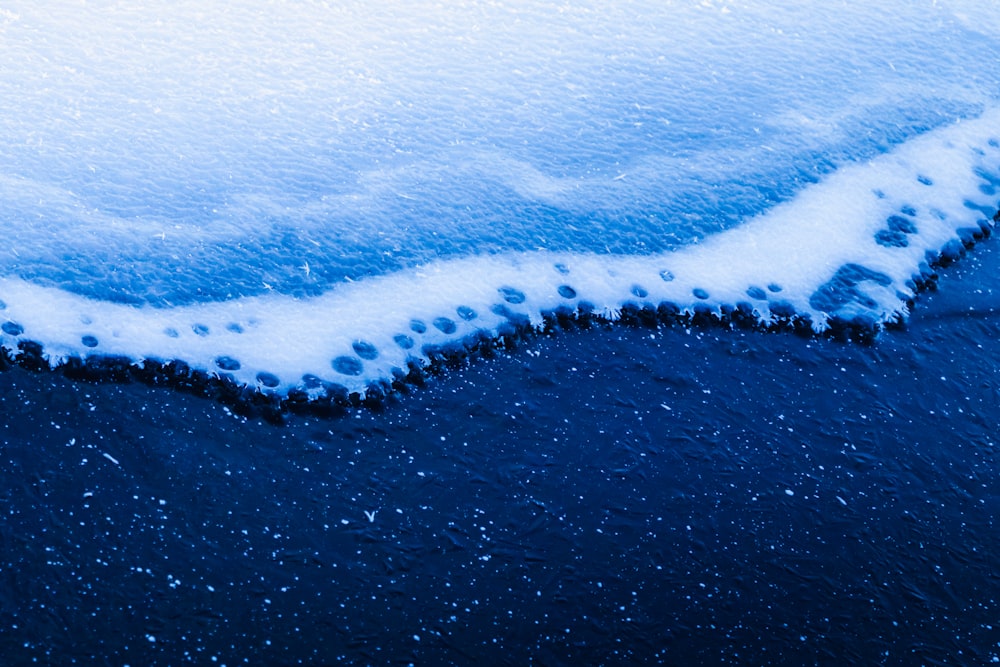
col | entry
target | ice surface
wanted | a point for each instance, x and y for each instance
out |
(300, 193)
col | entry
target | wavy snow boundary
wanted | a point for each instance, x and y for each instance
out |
(850, 249)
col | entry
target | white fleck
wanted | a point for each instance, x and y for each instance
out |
(110, 458)
(370, 515)
(789, 492)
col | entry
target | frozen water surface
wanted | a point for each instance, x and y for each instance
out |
(298, 196)
(301, 195)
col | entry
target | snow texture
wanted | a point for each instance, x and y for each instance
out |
(305, 196)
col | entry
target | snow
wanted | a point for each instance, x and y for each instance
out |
(277, 191)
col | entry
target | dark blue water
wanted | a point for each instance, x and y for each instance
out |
(612, 495)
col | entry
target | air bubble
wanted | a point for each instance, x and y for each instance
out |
(843, 289)
(347, 366)
(269, 380)
(891, 239)
(200, 329)
(562, 268)
(418, 326)
(512, 295)
(667, 276)
(699, 293)
(639, 291)
(567, 292)
(898, 223)
(988, 176)
(987, 211)
(403, 341)
(755, 292)
(170, 332)
(12, 328)
(466, 313)
(444, 325)
(908, 210)
(227, 363)
(925, 180)
(365, 350)
(310, 381)
(782, 309)
(774, 287)
(234, 327)
(89, 341)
